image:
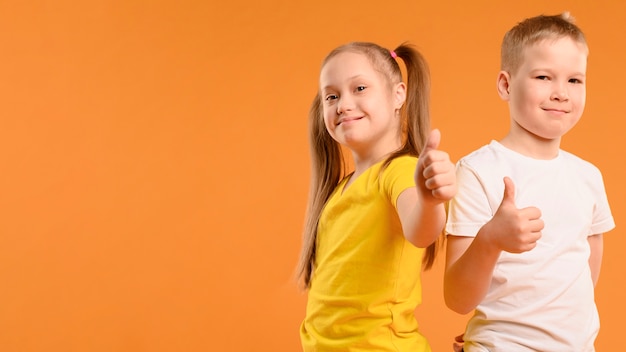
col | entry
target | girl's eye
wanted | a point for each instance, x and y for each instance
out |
(360, 88)
(543, 78)
(331, 97)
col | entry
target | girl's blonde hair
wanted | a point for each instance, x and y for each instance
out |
(533, 30)
(328, 166)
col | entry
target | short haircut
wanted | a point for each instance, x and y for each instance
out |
(533, 30)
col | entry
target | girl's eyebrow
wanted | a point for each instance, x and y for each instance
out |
(349, 78)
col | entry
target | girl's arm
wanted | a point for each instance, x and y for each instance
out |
(596, 243)
(421, 223)
(421, 209)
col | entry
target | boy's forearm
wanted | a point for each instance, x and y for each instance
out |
(596, 245)
(467, 280)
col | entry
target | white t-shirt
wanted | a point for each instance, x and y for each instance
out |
(543, 299)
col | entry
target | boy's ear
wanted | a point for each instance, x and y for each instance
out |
(400, 94)
(503, 85)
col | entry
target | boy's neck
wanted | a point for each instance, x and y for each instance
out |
(533, 146)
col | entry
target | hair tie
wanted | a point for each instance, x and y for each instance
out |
(393, 54)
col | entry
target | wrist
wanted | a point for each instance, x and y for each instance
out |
(485, 241)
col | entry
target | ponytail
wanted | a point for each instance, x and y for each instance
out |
(416, 118)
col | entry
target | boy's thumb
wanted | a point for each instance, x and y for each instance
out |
(509, 190)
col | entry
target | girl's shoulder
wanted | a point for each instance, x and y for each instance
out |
(404, 160)
(399, 164)
(399, 168)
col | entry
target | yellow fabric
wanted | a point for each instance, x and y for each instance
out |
(366, 283)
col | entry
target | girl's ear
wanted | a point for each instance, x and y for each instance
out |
(503, 85)
(399, 94)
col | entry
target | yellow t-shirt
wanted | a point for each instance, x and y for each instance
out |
(366, 282)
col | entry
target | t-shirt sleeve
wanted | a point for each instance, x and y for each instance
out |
(470, 209)
(398, 176)
(603, 220)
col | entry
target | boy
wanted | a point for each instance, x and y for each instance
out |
(525, 229)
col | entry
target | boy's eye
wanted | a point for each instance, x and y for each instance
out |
(543, 78)
(575, 80)
(360, 88)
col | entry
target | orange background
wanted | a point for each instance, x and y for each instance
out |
(154, 159)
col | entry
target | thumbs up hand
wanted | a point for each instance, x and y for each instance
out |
(435, 175)
(511, 229)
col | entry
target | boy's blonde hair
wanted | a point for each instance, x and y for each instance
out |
(533, 30)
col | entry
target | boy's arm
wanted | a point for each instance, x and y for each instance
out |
(469, 267)
(470, 261)
(596, 244)
(421, 209)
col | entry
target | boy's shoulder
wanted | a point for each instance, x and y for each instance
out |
(487, 153)
(578, 162)
(494, 158)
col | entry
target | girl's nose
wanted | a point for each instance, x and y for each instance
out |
(344, 104)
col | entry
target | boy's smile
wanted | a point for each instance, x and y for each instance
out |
(546, 94)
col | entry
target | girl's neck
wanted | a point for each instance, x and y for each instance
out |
(366, 157)
(364, 162)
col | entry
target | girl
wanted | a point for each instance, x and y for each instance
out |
(365, 231)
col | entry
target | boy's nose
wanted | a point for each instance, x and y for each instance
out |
(559, 93)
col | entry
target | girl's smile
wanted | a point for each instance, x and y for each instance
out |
(347, 120)
(360, 106)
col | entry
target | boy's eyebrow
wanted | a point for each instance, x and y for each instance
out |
(577, 73)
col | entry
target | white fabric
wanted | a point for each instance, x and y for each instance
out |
(543, 299)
